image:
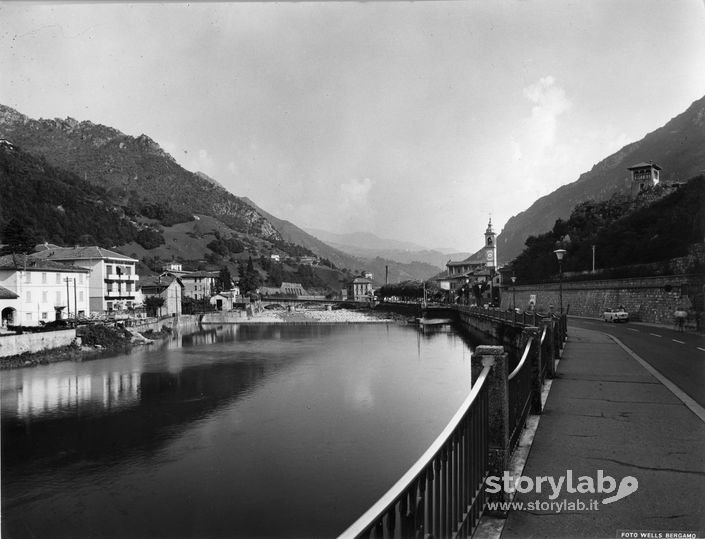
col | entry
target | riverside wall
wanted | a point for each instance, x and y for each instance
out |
(647, 299)
(491, 332)
(183, 322)
(224, 317)
(13, 345)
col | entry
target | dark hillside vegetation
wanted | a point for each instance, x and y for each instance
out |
(678, 147)
(624, 231)
(57, 206)
(134, 171)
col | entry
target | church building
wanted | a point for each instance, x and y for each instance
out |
(476, 269)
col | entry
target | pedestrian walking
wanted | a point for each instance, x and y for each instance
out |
(680, 317)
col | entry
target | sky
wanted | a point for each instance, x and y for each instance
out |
(411, 120)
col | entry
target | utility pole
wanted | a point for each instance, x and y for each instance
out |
(75, 303)
(593, 258)
(68, 302)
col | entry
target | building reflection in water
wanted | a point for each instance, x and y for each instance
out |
(37, 396)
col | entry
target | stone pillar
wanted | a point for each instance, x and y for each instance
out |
(498, 458)
(535, 364)
(550, 324)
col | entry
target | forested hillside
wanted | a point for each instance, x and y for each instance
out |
(678, 147)
(624, 231)
(57, 206)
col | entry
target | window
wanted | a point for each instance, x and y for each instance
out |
(45, 297)
(58, 278)
(44, 278)
(128, 287)
(80, 296)
(110, 305)
(28, 317)
(58, 298)
(45, 316)
(27, 277)
(28, 297)
(109, 270)
(80, 278)
(128, 270)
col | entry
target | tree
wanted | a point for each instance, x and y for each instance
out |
(153, 304)
(225, 280)
(19, 238)
(250, 279)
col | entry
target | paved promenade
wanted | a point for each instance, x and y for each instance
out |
(605, 411)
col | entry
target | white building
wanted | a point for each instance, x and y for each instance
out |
(169, 288)
(9, 307)
(199, 284)
(359, 289)
(113, 277)
(45, 290)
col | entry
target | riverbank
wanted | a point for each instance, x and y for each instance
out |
(95, 339)
(90, 342)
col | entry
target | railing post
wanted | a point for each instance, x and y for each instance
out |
(536, 365)
(498, 435)
(550, 324)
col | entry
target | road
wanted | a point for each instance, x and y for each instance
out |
(680, 357)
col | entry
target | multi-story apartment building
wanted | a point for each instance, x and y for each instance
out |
(199, 284)
(113, 277)
(45, 291)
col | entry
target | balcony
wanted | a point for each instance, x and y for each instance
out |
(113, 294)
(112, 277)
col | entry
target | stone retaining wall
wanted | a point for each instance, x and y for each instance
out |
(649, 299)
(177, 323)
(224, 317)
(12, 345)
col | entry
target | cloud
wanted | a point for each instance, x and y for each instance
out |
(538, 154)
(356, 191)
(354, 204)
(202, 162)
(549, 102)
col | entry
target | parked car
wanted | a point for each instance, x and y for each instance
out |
(616, 315)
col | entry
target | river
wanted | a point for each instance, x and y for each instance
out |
(240, 431)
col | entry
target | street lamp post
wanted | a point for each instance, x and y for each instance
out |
(560, 253)
(514, 293)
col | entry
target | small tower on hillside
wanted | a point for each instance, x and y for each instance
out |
(644, 176)
(490, 246)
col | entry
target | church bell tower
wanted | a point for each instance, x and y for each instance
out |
(490, 246)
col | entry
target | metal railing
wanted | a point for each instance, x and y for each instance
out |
(519, 389)
(442, 494)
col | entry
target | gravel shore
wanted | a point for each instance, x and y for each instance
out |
(303, 316)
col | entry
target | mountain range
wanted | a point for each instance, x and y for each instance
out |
(368, 245)
(159, 209)
(678, 148)
(186, 210)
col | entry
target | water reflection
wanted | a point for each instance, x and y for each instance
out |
(203, 434)
(59, 394)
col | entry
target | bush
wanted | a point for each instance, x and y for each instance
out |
(149, 239)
